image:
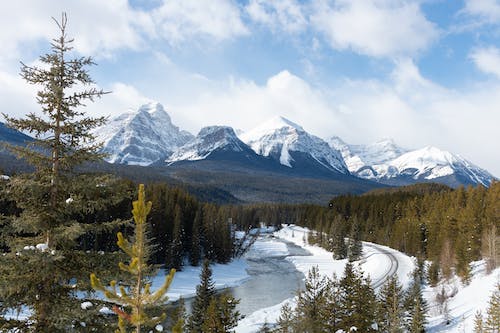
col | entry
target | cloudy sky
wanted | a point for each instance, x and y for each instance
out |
(423, 72)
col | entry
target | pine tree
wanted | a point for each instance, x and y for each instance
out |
(339, 246)
(221, 315)
(205, 292)
(136, 301)
(492, 321)
(195, 253)
(175, 253)
(357, 301)
(391, 306)
(179, 317)
(478, 322)
(311, 302)
(355, 246)
(415, 306)
(286, 322)
(50, 219)
(332, 312)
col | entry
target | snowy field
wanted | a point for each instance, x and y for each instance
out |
(185, 281)
(467, 300)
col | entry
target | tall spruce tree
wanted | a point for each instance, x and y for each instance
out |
(44, 235)
(358, 303)
(221, 315)
(175, 253)
(205, 291)
(390, 306)
(492, 321)
(311, 302)
(415, 306)
(138, 299)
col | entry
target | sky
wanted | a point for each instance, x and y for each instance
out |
(422, 72)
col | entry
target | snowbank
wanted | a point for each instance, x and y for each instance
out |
(468, 299)
(185, 281)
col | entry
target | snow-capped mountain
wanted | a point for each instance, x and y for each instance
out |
(142, 136)
(386, 162)
(290, 144)
(209, 140)
(359, 156)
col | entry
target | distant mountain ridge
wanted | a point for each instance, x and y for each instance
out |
(386, 162)
(278, 152)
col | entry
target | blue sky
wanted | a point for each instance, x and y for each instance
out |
(423, 72)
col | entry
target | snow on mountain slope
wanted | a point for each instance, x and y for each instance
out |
(279, 138)
(431, 163)
(141, 136)
(359, 156)
(384, 160)
(208, 140)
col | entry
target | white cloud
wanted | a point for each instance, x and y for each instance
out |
(488, 11)
(180, 20)
(487, 60)
(279, 15)
(379, 28)
(113, 25)
(121, 98)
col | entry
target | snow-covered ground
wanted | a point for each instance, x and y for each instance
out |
(467, 300)
(185, 281)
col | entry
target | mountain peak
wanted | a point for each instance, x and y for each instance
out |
(280, 122)
(141, 136)
(208, 140)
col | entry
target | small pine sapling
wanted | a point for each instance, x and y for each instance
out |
(135, 301)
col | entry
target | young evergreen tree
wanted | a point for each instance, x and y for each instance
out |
(358, 303)
(311, 302)
(286, 322)
(139, 299)
(331, 314)
(492, 320)
(355, 246)
(195, 253)
(175, 254)
(390, 306)
(478, 322)
(50, 219)
(179, 317)
(221, 315)
(205, 292)
(415, 306)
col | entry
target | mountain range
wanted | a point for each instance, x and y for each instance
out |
(276, 161)
(147, 136)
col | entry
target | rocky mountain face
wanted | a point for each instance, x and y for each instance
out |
(290, 145)
(141, 137)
